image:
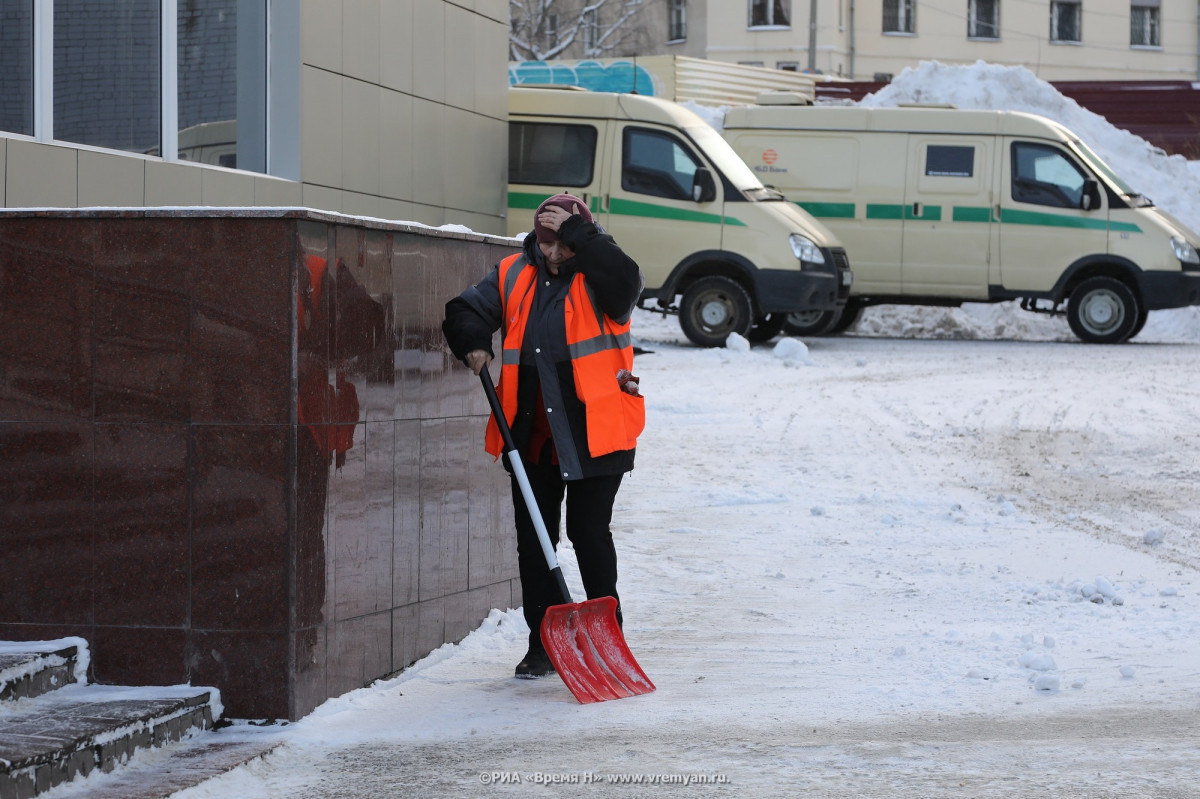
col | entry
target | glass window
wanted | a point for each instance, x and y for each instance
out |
(943, 160)
(107, 74)
(551, 155)
(983, 19)
(1065, 21)
(769, 12)
(1143, 24)
(657, 164)
(898, 16)
(207, 62)
(1045, 175)
(677, 20)
(16, 66)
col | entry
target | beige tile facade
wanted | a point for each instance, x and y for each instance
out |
(379, 82)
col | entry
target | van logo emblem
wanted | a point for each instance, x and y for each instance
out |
(770, 156)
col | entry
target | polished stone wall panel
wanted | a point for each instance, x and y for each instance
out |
(141, 541)
(444, 459)
(406, 513)
(47, 324)
(160, 492)
(46, 522)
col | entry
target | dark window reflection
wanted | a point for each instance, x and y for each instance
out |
(16, 66)
(106, 73)
(207, 45)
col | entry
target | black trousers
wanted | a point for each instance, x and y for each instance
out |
(589, 512)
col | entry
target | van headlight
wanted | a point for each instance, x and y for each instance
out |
(1183, 251)
(808, 252)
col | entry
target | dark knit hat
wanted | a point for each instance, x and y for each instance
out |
(567, 202)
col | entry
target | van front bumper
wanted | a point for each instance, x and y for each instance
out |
(1161, 290)
(822, 288)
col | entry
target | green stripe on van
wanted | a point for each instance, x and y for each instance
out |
(525, 199)
(1037, 218)
(930, 213)
(829, 210)
(530, 201)
(967, 213)
(652, 211)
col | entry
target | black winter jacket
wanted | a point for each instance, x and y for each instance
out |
(475, 315)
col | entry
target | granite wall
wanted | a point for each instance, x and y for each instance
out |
(234, 450)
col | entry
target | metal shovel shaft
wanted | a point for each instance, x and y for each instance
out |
(584, 640)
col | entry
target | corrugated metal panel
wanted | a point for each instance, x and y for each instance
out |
(722, 83)
(677, 78)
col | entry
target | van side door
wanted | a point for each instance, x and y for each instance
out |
(648, 205)
(1043, 226)
(548, 156)
(948, 240)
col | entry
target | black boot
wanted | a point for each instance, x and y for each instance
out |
(536, 663)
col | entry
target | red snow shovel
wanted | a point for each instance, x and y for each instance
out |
(583, 639)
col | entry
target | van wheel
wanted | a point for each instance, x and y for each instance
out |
(849, 317)
(712, 308)
(809, 323)
(767, 328)
(1102, 310)
(1143, 314)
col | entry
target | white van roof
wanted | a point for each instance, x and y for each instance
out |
(568, 101)
(902, 119)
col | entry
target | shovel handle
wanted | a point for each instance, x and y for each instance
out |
(518, 470)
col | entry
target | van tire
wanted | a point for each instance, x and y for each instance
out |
(1143, 314)
(712, 308)
(767, 328)
(1103, 310)
(810, 323)
(847, 319)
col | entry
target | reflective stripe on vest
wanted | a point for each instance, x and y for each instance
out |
(598, 346)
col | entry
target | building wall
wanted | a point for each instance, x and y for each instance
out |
(850, 41)
(167, 486)
(402, 115)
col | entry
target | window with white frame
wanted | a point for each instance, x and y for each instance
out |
(773, 13)
(157, 77)
(898, 16)
(1065, 18)
(1143, 23)
(983, 19)
(677, 20)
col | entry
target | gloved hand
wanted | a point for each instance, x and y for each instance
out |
(628, 382)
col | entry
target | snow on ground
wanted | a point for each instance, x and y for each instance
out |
(953, 553)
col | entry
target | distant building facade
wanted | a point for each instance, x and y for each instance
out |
(1059, 40)
(372, 108)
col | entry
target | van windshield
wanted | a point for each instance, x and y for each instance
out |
(731, 166)
(1097, 164)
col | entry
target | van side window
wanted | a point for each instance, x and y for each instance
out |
(551, 154)
(1045, 175)
(656, 163)
(943, 160)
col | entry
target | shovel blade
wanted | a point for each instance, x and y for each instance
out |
(588, 650)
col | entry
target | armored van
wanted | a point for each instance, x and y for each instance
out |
(718, 248)
(940, 206)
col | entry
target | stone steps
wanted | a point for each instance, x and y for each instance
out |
(57, 729)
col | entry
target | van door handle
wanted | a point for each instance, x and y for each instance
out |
(916, 212)
(996, 212)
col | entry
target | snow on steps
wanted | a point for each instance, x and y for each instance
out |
(55, 728)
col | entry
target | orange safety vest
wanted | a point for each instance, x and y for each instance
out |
(330, 412)
(599, 348)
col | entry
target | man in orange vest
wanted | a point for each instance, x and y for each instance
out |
(562, 306)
